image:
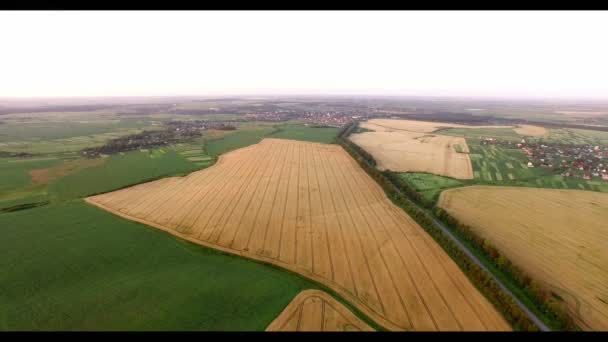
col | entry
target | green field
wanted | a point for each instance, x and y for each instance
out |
(576, 136)
(498, 165)
(429, 185)
(124, 169)
(118, 171)
(301, 132)
(72, 266)
(237, 139)
(502, 166)
(14, 171)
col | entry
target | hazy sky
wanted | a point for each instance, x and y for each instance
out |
(531, 54)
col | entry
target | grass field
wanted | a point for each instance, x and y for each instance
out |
(72, 266)
(300, 132)
(14, 172)
(120, 171)
(429, 185)
(576, 136)
(556, 236)
(237, 139)
(310, 208)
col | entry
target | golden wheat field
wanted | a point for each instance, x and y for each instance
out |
(405, 151)
(384, 125)
(535, 131)
(314, 310)
(311, 209)
(559, 237)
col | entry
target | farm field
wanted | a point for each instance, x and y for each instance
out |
(498, 165)
(305, 133)
(557, 236)
(576, 136)
(335, 226)
(404, 151)
(236, 139)
(551, 135)
(530, 130)
(118, 171)
(506, 134)
(85, 269)
(314, 310)
(429, 185)
(61, 173)
(390, 125)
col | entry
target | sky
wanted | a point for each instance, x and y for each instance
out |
(409, 53)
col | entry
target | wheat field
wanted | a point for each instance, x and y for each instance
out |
(314, 310)
(559, 237)
(309, 208)
(404, 151)
(391, 125)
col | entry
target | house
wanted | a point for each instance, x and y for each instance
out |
(586, 176)
(605, 177)
(530, 164)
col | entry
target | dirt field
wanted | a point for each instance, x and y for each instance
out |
(535, 131)
(417, 152)
(384, 125)
(558, 236)
(309, 208)
(314, 310)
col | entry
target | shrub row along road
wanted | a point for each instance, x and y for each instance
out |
(539, 323)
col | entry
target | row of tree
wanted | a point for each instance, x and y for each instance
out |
(482, 280)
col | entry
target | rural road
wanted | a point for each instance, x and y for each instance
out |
(539, 323)
(542, 326)
(530, 314)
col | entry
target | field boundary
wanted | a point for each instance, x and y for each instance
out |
(265, 260)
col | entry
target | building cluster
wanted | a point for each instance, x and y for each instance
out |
(578, 161)
(174, 132)
(271, 116)
(332, 119)
(317, 118)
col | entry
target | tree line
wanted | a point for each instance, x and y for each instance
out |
(395, 187)
(480, 278)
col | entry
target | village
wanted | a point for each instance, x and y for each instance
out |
(175, 131)
(578, 161)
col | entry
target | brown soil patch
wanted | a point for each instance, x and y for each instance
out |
(46, 175)
(559, 237)
(310, 208)
(314, 310)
